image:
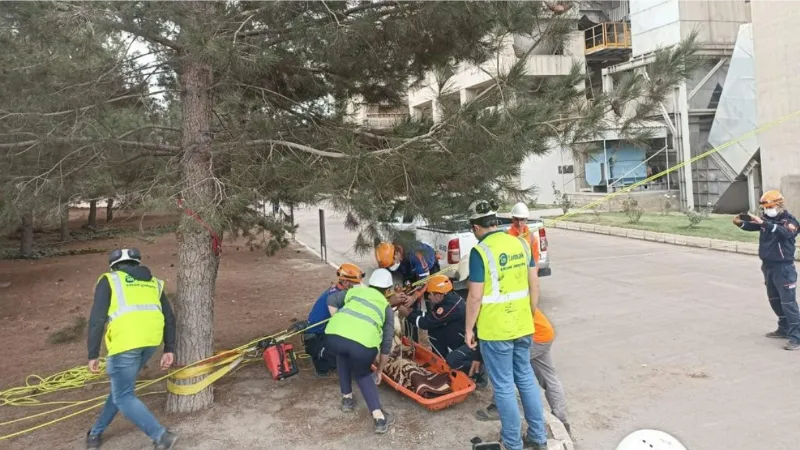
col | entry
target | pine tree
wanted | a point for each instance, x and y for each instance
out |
(255, 97)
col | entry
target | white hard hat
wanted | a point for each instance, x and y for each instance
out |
(124, 254)
(482, 208)
(650, 440)
(381, 278)
(520, 211)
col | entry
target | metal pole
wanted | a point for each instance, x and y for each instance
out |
(606, 174)
(686, 146)
(323, 243)
(666, 156)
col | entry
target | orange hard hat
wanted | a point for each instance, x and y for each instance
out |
(439, 284)
(384, 253)
(772, 198)
(350, 272)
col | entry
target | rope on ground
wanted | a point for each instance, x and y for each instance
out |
(228, 362)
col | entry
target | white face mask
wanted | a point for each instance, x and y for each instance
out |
(394, 267)
(771, 212)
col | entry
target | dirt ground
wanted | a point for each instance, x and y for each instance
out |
(256, 295)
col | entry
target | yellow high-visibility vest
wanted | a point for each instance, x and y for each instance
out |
(135, 319)
(505, 312)
(361, 318)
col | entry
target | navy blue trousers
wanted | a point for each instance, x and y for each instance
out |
(781, 282)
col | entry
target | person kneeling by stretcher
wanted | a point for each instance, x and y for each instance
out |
(314, 340)
(445, 324)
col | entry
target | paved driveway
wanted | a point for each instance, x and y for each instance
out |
(656, 336)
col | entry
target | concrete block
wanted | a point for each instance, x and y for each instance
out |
(697, 242)
(728, 246)
(636, 234)
(622, 232)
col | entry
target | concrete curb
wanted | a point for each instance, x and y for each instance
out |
(745, 248)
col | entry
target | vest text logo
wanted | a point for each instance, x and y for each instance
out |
(503, 259)
(129, 279)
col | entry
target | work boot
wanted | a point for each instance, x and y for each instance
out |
(167, 441)
(529, 444)
(382, 425)
(489, 414)
(348, 404)
(792, 345)
(93, 442)
(777, 334)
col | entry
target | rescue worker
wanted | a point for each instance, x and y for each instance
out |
(445, 325)
(314, 339)
(361, 328)
(543, 337)
(776, 248)
(132, 308)
(413, 261)
(503, 293)
(519, 227)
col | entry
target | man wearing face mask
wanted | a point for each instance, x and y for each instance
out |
(776, 248)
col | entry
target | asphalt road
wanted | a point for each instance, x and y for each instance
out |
(654, 336)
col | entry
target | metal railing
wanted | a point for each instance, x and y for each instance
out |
(609, 35)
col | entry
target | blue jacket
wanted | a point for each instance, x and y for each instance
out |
(419, 261)
(776, 243)
(445, 323)
(319, 311)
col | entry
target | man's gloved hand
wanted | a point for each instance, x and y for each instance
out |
(297, 326)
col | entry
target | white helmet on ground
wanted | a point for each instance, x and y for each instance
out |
(381, 279)
(520, 211)
(650, 440)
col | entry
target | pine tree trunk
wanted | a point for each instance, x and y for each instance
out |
(197, 270)
(65, 234)
(92, 223)
(26, 245)
(110, 210)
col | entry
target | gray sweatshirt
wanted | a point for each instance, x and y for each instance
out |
(337, 301)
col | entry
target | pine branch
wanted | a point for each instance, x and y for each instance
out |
(76, 140)
(83, 108)
(343, 15)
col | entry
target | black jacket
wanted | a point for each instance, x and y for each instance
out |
(445, 323)
(776, 242)
(102, 301)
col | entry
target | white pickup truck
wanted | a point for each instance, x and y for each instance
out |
(454, 245)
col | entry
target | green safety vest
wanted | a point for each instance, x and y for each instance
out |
(361, 318)
(505, 312)
(135, 319)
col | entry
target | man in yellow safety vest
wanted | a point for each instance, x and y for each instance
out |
(503, 292)
(132, 309)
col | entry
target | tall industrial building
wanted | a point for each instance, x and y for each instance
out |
(724, 100)
(777, 50)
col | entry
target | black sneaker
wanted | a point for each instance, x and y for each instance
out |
(348, 404)
(489, 414)
(382, 425)
(777, 334)
(792, 345)
(529, 444)
(93, 442)
(167, 441)
(320, 374)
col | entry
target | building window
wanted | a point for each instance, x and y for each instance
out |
(566, 169)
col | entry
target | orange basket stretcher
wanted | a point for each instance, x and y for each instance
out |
(460, 383)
